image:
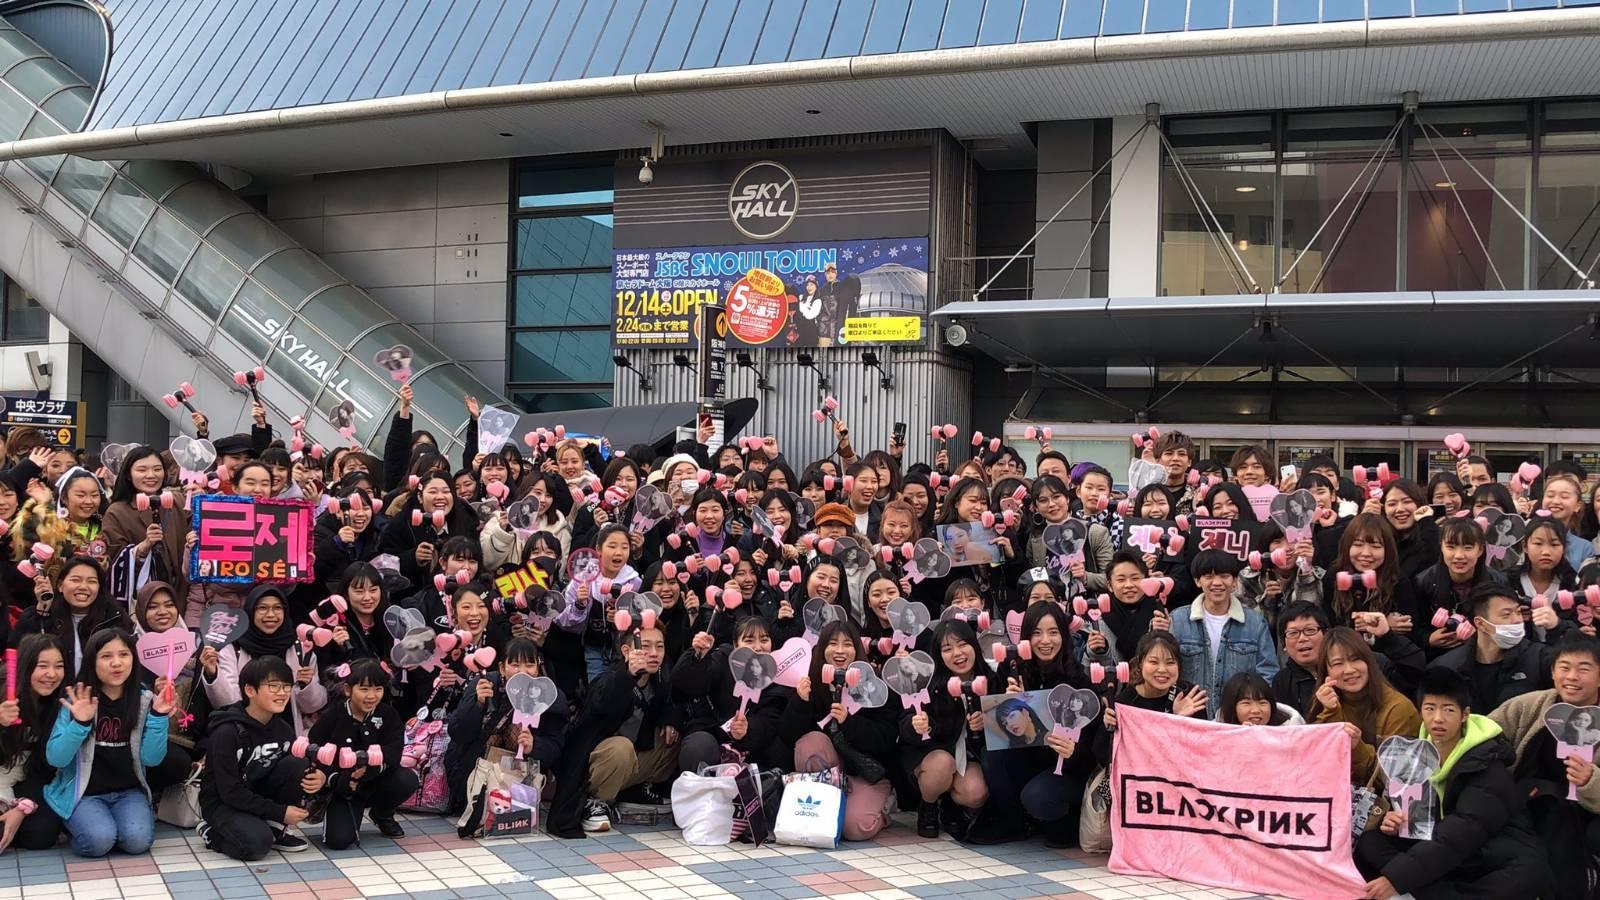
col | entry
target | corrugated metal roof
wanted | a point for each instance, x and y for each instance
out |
(184, 60)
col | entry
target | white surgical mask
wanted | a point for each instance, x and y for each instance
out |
(1507, 636)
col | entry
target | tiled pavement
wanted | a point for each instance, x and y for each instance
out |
(431, 862)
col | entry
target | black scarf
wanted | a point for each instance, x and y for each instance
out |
(1130, 623)
(258, 643)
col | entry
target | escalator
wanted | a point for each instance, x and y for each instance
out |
(169, 276)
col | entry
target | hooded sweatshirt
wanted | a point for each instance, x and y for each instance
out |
(242, 754)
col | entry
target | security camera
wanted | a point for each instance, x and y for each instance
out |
(646, 174)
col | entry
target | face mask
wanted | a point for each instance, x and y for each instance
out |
(1507, 636)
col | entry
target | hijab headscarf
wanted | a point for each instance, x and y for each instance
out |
(258, 643)
(141, 602)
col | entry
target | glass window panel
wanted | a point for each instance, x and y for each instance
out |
(557, 39)
(614, 39)
(647, 36)
(1569, 214)
(561, 356)
(165, 245)
(43, 166)
(1572, 124)
(1533, 4)
(712, 34)
(294, 275)
(1128, 18)
(343, 312)
(677, 36)
(304, 360)
(563, 242)
(740, 44)
(1388, 9)
(551, 188)
(1297, 12)
(1343, 10)
(70, 107)
(1204, 14)
(1041, 20)
(777, 35)
(26, 320)
(158, 178)
(385, 336)
(1082, 18)
(1474, 130)
(1365, 260)
(849, 29)
(1485, 5)
(1438, 7)
(202, 204)
(371, 396)
(14, 47)
(247, 239)
(1442, 251)
(435, 32)
(254, 319)
(1192, 263)
(1251, 12)
(581, 44)
(1002, 20)
(123, 211)
(887, 25)
(438, 392)
(811, 35)
(549, 401)
(209, 282)
(38, 78)
(15, 113)
(82, 180)
(923, 23)
(1220, 137)
(961, 24)
(547, 300)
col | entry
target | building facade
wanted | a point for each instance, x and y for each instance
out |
(1330, 225)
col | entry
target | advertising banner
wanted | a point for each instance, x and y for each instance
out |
(801, 249)
(777, 295)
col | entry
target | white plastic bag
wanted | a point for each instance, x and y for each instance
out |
(1094, 819)
(811, 815)
(702, 805)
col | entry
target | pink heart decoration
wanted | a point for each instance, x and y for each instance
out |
(793, 659)
(727, 569)
(1014, 626)
(1260, 498)
(165, 653)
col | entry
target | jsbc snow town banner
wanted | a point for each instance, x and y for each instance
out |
(1184, 807)
(243, 541)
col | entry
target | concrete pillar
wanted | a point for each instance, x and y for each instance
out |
(1135, 211)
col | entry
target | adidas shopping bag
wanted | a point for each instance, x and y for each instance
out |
(810, 815)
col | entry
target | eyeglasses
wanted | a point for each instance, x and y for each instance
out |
(1295, 634)
(276, 687)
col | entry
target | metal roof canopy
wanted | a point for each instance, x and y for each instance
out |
(989, 91)
(655, 424)
(1452, 329)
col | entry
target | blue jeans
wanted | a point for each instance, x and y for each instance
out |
(102, 821)
(595, 662)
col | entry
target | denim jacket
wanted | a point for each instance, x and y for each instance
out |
(1246, 646)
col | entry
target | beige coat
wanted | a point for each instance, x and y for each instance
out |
(1522, 718)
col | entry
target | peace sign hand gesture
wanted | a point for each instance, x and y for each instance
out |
(82, 703)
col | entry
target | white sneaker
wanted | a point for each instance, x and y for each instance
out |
(597, 816)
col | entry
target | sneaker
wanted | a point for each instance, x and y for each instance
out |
(203, 829)
(388, 827)
(287, 842)
(928, 820)
(597, 816)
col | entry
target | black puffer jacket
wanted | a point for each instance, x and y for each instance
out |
(1483, 845)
